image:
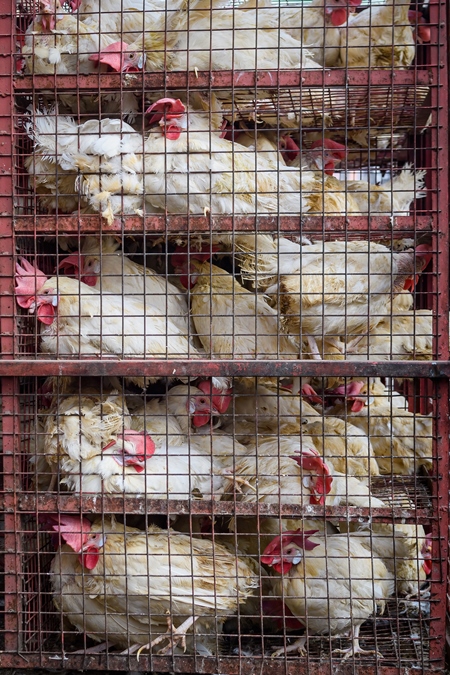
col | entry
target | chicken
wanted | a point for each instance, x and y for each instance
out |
(79, 424)
(58, 42)
(102, 266)
(127, 19)
(331, 289)
(230, 165)
(76, 319)
(403, 336)
(188, 169)
(289, 470)
(402, 441)
(315, 25)
(331, 584)
(108, 177)
(393, 197)
(263, 408)
(238, 39)
(380, 36)
(345, 445)
(230, 321)
(103, 583)
(95, 446)
(405, 550)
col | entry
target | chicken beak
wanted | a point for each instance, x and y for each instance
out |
(98, 543)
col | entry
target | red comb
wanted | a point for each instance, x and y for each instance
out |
(309, 392)
(29, 280)
(338, 149)
(72, 264)
(171, 108)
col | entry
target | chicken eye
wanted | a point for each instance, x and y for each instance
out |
(203, 400)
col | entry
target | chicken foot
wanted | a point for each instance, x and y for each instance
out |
(314, 348)
(236, 481)
(173, 635)
(297, 646)
(355, 648)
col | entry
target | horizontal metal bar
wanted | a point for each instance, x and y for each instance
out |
(71, 503)
(92, 224)
(97, 367)
(224, 79)
(237, 665)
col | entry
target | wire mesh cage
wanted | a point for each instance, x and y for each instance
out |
(225, 336)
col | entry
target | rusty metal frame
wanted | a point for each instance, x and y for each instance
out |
(16, 504)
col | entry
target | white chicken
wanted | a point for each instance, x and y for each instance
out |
(113, 150)
(77, 319)
(331, 289)
(238, 39)
(125, 586)
(125, 20)
(59, 42)
(393, 197)
(230, 321)
(316, 24)
(102, 266)
(331, 584)
(380, 36)
(402, 441)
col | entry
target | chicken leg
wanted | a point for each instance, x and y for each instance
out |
(355, 648)
(173, 635)
(297, 646)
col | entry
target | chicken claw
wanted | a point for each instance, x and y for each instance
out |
(355, 648)
(173, 635)
(297, 646)
(237, 480)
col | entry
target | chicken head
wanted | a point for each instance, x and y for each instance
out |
(423, 29)
(327, 154)
(181, 262)
(352, 392)
(132, 448)
(33, 294)
(320, 483)
(287, 549)
(170, 114)
(48, 15)
(220, 399)
(76, 533)
(337, 11)
(119, 58)
(84, 268)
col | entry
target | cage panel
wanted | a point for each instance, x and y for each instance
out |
(212, 400)
(394, 509)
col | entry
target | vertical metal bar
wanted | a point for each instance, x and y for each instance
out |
(440, 285)
(9, 387)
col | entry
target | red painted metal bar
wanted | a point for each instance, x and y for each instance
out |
(225, 79)
(9, 390)
(237, 665)
(440, 287)
(107, 503)
(96, 367)
(93, 224)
